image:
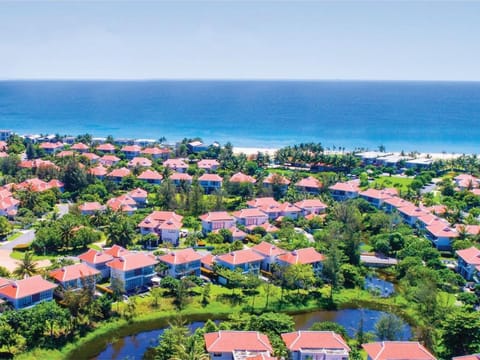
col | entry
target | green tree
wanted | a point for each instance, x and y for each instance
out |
(5, 227)
(388, 327)
(74, 177)
(460, 333)
(27, 266)
(332, 268)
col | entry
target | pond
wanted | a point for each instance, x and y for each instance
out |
(133, 347)
(382, 287)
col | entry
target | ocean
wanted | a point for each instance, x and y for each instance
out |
(421, 116)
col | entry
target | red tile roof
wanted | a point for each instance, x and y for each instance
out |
(132, 261)
(95, 257)
(269, 228)
(469, 229)
(109, 159)
(216, 216)
(162, 220)
(467, 357)
(379, 194)
(470, 256)
(65, 153)
(229, 341)
(181, 257)
(91, 206)
(310, 182)
(122, 203)
(302, 256)
(73, 272)
(263, 202)
(29, 286)
(210, 177)
(131, 148)
(252, 212)
(105, 147)
(79, 146)
(91, 156)
(398, 202)
(240, 257)
(303, 340)
(138, 193)
(276, 178)
(51, 146)
(140, 161)
(310, 203)
(150, 175)
(268, 249)
(175, 164)
(155, 151)
(349, 186)
(116, 251)
(119, 173)
(242, 178)
(440, 229)
(412, 211)
(207, 163)
(397, 350)
(181, 176)
(98, 171)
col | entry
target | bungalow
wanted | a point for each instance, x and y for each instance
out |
(117, 175)
(27, 292)
(230, 345)
(469, 263)
(441, 235)
(80, 147)
(106, 148)
(99, 172)
(179, 178)
(93, 158)
(139, 195)
(109, 160)
(411, 213)
(51, 148)
(182, 263)
(342, 191)
(309, 185)
(208, 165)
(132, 271)
(466, 182)
(377, 197)
(394, 203)
(276, 180)
(216, 220)
(90, 208)
(269, 253)
(165, 224)
(302, 256)
(269, 228)
(139, 162)
(397, 350)
(156, 153)
(75, 276)
(249, 217)
(290, 211)
(311, 206)
(97, 260)
(324, 345)
(242, 178)
(131, 151)
(177, 165)
(248, 261)
(469, 230)
(268, 205)
(151, 177)
(8, 204)
(210, 182)
(123, 203)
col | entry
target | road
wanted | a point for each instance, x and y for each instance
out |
(26, 237)
(62, 209)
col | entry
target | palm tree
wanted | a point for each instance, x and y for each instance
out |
(191, 349)
(27, 267)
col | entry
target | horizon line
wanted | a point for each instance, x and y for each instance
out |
(234, 79)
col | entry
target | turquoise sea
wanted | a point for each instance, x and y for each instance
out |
(423, 116)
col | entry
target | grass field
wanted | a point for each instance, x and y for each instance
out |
(400, 183)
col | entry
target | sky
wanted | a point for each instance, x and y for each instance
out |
(374, 40)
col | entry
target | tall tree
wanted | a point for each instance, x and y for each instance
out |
(27, 266)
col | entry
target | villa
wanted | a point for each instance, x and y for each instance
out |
(208, 165)
(117, 175)
(106, 148)
(397, 350)
(90, 208)
(180, 178)
(27, 292)
(131, 151)
(210, 182)
(305, 256)
(311, 206)
(109, 160)
(74, 277)
(248, 261)
(377, 197)
(441, 235)
(139, 196)
(51, 148)
(97, 260)
(275, 180)
(132, 271)
(151, 177)
(156, 153)
(309, 185)
(165, 224)
(269, 252)
(469, 264)
(268, 205)
(182, 263)
(8, 204)
(177, 165)
(242, 178)
(324, 345)
(123, 203)
(80, 147)
(342, 191)
(233, 345)
(216, 220)
(139, 162)
(251, 216)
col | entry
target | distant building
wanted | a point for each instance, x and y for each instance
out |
(5, 135)
(27, 292)
(469, 264)
(182, 263)
(132, 271)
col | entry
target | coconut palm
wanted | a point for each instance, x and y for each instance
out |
(27, 267)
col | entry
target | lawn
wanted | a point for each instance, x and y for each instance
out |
(14, 236)
(18, 255)
(400, 183)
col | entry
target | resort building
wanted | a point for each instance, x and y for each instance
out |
(97, 260)
(80, 147)
(139, 196)
(182, 263)
(27, 292)
(8, 204)
(210, 182)
(197, 146)
(132, 271)
(249, 217)
(441, 235)
(268, 205)
(51, 148)
(74, 277)
(248, 261)
(151, 177)
(106, 148)
(131, 151)
(99, 172)
(165, 224)
(139, 162)
(116, 251)
(5, 135)
(269, 252)
(208, 165)
(177, 165)
(109, 160)
(274, 180)
(469, 264)
(342, 191)
(156, 153)
(397, 350)
(311, 206)
(235, 345)
(180, 178)
(90, 208)
(304, 256)
(117, 175)
(123, 203)
(216, 220)
(377, 197)
(309, 185)
(324, 345)
(240, 177)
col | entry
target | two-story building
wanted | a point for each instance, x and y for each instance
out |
(27, 292)
(156, 153)
(178, 165)
(139, 161)
(91, 207)
(251, 216)
(165, 224)
(216, 220)
(311, 206)
(178, 179)
(304, 256)
(268, 205)
(98, 171)
(377, 197)
(209, 165)
(210, 182)
(132, 271)
(316, 345)
(109, 160)
(240, 177)
(235, 345)
(151, 177)
(182, 262)
(51, 148)
(131, 151)
(278, 181)
(117, 175)
(97, 260)
(469, 264)
(441, 235)
(248, 261)
(269, 252)
(309, 185)
(342, 191)
(77, 276)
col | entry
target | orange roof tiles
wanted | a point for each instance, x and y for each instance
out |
(73, 272)
(302, 256)
(310, 182)
(240, 257)
(470, 255)
(95, 257)
(210, 177)
(150, 175)
(242, 178)
(276, 178)
(298, 340)
(216, 216)
(181, 257)
(397, 350)
(29, 286)
(268, 249)
(229, 341)
(132, 261)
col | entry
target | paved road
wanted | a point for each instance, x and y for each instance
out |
(26, 237)
(62, 209)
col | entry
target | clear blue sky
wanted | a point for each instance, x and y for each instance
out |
(240, 40)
